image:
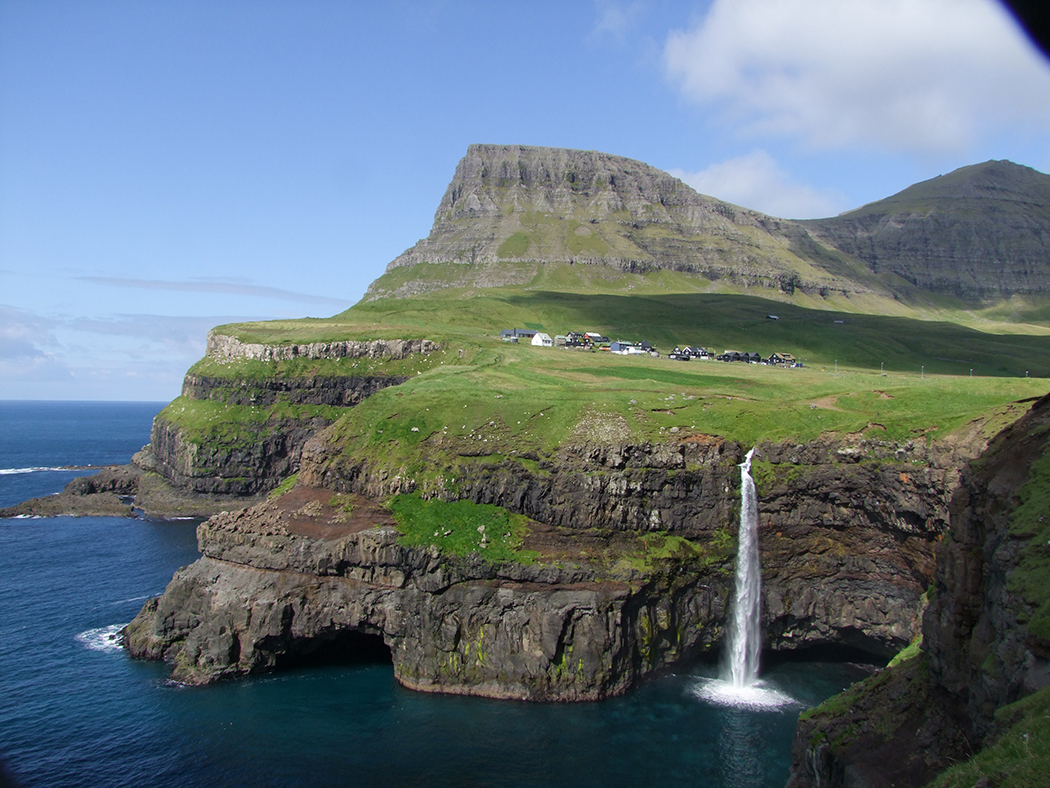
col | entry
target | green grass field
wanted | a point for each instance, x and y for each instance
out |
(948, 341)
(890, 377)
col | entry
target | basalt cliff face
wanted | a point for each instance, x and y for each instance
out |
(280, 412)
(848, 531)
(980, 233)
(985, 644)
(512, 207)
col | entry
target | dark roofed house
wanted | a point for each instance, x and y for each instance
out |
(514, 334)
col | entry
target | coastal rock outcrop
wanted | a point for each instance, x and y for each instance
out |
(223, 347)
(252, 433)
(847, 537)
(985, 634)
(288, 578)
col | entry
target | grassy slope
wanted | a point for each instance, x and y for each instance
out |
(900, 341)
(480, 391)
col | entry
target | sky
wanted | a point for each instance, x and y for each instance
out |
(169, 166)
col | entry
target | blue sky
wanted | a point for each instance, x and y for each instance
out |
(169, 166)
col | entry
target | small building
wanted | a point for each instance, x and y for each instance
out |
(514, 334)
(561, 340)
(540, 339)
(678, 355)
(782, 358)
(597, 339)
(621, 347)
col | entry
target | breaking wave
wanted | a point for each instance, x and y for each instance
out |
(102, 638)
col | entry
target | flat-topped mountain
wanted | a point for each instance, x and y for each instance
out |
(514, 204)
(979, 233)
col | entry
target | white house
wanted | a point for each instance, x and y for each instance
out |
(542, 340)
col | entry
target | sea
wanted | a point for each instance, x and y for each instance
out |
(75, 710)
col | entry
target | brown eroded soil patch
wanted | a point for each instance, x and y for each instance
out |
(826, 403)
(325, 514)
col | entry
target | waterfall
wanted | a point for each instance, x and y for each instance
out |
(745, 635)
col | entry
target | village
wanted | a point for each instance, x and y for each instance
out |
(589, 340)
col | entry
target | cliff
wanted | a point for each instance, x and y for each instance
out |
(626, 569)
(980, 233)
(238, 429)
(986, 643)
(509, 208)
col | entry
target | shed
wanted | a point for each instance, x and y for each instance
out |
(542, 340)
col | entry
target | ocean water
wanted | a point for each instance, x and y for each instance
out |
(76, 711)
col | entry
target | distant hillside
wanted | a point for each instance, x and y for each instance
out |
(980, 232)
(511, 204)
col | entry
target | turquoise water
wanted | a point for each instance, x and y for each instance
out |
(75, 711)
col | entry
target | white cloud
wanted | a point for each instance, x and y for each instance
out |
(615, 19)
(141, 357)
(891, 75)
(756, 181)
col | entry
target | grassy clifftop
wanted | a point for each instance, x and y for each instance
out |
(899, 342)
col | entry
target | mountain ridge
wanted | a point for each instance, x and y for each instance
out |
(978, 232)
(525, 204)
(981, 232)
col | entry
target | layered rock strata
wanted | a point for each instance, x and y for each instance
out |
(258, 449)
(513, 204)
(980, 652)
(222, 347)
(980, 232)
(270, 588)
(847, 537)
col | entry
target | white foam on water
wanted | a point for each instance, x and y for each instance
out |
(134, 599)
(48, 469)
(757, 696)
(102, 638)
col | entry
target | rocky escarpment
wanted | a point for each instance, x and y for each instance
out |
(848, 525)
(222, 347)
(251, 460)
(514, 204)
(985, 635)
(273, 585)
(232, 433)
(980, 232)
(848, 528)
